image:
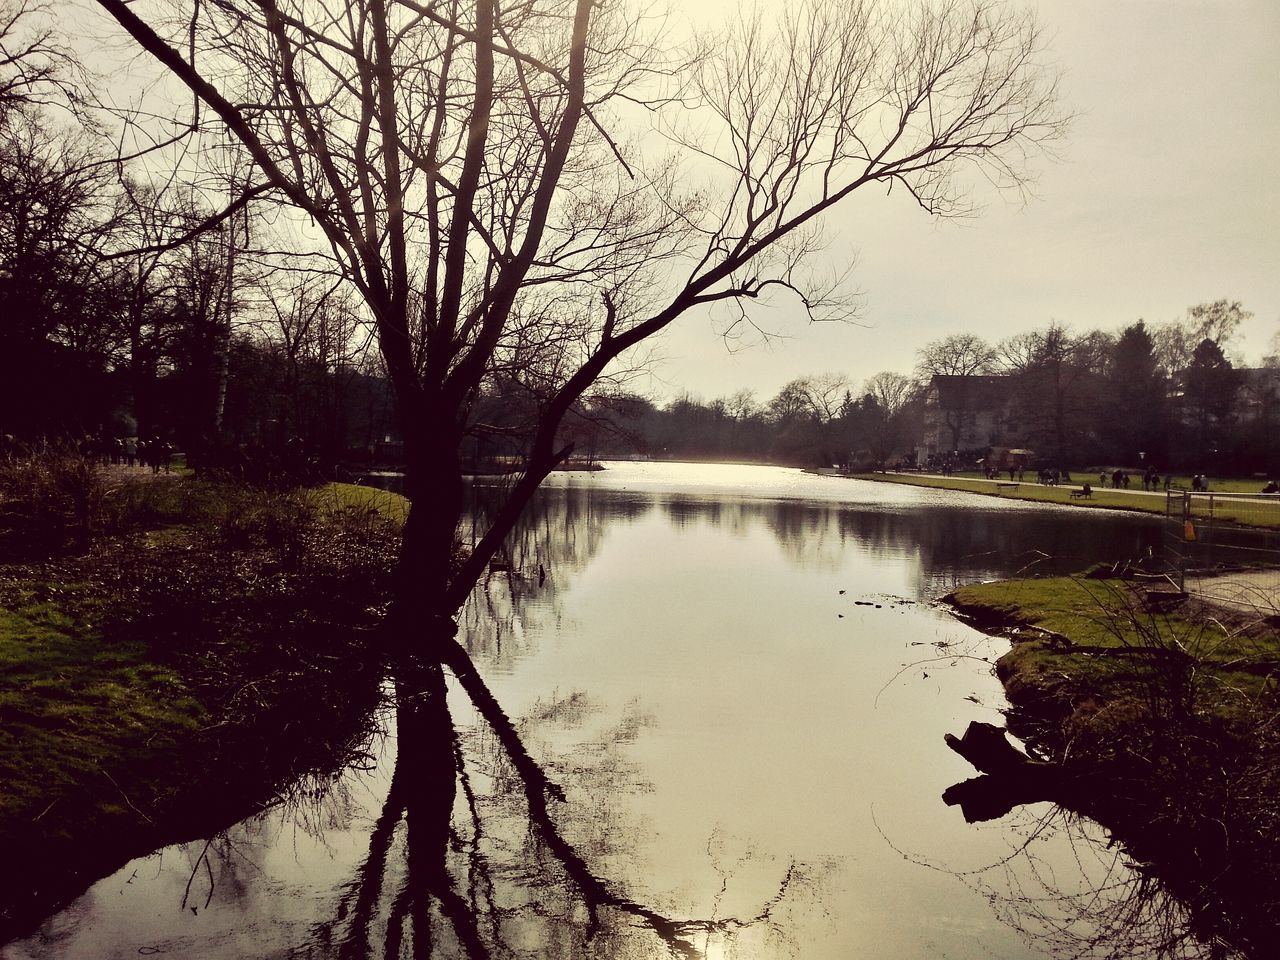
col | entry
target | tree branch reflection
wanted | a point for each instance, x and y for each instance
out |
(1152, 883)
(441, 896)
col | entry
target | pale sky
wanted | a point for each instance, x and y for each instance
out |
(1167, 194)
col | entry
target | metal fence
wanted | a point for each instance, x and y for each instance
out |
(1225, 547)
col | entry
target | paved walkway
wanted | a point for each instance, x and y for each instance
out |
(1075, 484)
(1032, 482)
(1255, 591)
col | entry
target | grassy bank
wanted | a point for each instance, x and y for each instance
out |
(346, 497)
(1088, 643)
(1179, 481)
(76, 705)
(1164, 716)
(1253, 513)
(203, 650)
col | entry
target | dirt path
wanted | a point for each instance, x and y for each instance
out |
(1254, 591)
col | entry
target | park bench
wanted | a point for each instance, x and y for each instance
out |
(1006, 483)
(1081, 494)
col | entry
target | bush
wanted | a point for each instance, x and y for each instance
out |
(53, 497)
(262, 518)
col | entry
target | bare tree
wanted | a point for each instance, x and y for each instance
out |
(806, 413)
(56, 307)
(959, 355)
(887, 430)
(892, 391)
(1217, 321)
(145, 259)
(36, 69)
(1271, 358)
(319, 335)
(1176, 341)
(826, 395)
(466, 166)
(1056, 382)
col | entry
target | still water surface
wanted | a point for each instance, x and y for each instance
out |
(737, 678)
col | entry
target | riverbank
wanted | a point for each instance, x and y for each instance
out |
(179, 672)
(1161, 715)
(1258, 511)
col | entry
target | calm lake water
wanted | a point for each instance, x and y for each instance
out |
(737, 678)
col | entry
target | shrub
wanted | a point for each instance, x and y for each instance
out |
(257, 517)
(53, 496)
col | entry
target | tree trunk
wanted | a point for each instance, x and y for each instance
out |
(421, 610)
(222, 339)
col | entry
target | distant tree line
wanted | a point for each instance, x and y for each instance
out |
(134, 301)
(127, 307)
(816, 420)
(1168, 394)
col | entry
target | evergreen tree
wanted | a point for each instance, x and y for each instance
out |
(1134, 417)
(1209, 388)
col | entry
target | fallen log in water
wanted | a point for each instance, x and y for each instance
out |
(1010, 777)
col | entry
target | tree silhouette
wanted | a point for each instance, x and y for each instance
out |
(466, 167)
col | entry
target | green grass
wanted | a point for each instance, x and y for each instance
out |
(1232, 657)
(80, 708)
(1218, 485)
(177, 675)
(1251, 513)
(353, 496)
(1180, 481)
(75, 708)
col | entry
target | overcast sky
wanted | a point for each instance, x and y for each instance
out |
(1167, 194)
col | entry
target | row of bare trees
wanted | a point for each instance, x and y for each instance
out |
(1170, 391)
(540, 188)
(1167, 393)
(133, 301)
(817, 420)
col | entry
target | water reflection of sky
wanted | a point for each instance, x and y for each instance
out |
(731, 672)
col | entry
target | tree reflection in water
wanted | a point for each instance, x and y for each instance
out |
(1110, 909)
(1160, 875)
(1115, 912)
(564, 528)
(473, 854)
(437, 882)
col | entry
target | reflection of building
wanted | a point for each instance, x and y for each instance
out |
(967, 414)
